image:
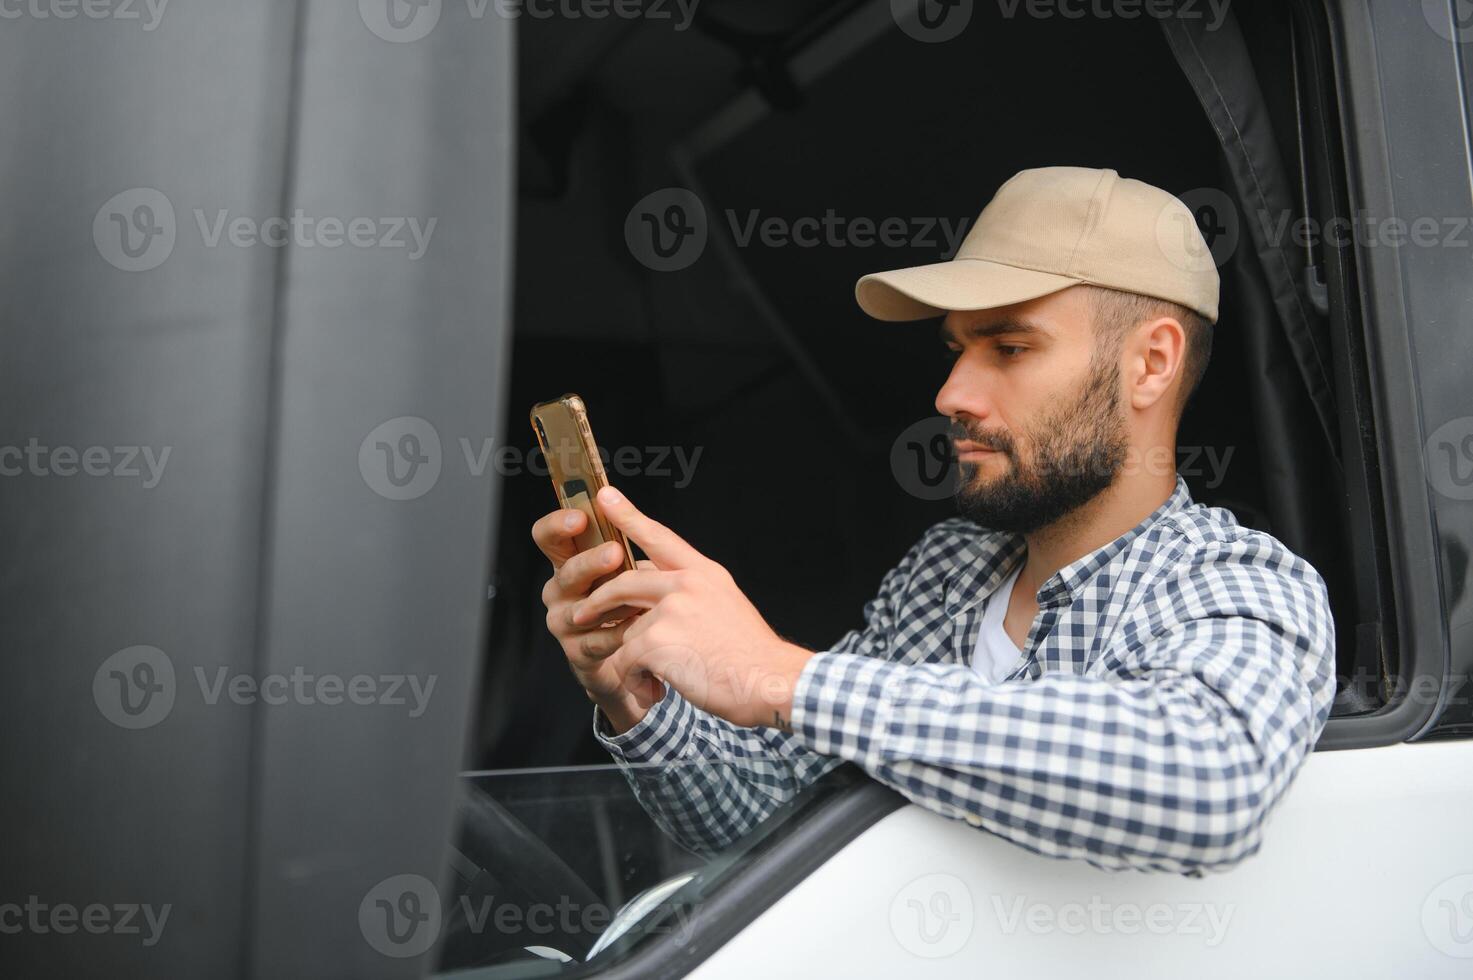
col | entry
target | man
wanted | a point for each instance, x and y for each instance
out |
(1085, 662)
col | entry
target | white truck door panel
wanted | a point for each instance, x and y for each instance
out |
(1366, 871)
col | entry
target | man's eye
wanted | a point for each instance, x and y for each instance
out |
(1009, 350)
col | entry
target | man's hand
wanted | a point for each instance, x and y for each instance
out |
(695, 630)
(623, 699)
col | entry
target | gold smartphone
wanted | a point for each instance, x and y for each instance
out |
(576, 470)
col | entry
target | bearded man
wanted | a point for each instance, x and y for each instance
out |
(1084, 662)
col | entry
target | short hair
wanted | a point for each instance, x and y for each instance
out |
(1115, 312)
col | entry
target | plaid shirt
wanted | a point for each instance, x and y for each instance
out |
(1171, 685)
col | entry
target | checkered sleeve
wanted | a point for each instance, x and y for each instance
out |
(1166, 754)
(708, 782)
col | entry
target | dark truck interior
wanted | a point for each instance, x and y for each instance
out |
(758, 357)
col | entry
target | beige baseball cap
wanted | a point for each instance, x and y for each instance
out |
(1051, 228)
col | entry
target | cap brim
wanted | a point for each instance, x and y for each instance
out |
(961, 284)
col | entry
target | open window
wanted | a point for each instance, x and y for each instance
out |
(696, 204)
(823, 141)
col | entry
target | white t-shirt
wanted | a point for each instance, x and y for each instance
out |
(996, 654)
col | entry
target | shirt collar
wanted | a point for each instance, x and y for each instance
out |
(990, 557)
(1063, 584)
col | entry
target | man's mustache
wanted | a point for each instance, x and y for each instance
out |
(999, 441)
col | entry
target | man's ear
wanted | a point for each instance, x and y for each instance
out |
(1154, 361)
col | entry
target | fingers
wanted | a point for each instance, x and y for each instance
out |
(668, 549)
(638, 589)
(554, 534)
(600, 643)
(576, 576)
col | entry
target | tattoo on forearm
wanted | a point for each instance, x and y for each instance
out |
(778, 721)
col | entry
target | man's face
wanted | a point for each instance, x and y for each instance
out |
(1037, 422)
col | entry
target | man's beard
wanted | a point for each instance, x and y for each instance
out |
(1073, 456)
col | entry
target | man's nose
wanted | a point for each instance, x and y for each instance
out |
(963, 394)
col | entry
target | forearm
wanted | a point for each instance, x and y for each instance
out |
(705, 781)
(1158, 773)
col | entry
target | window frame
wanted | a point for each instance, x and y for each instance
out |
(1356, 33)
